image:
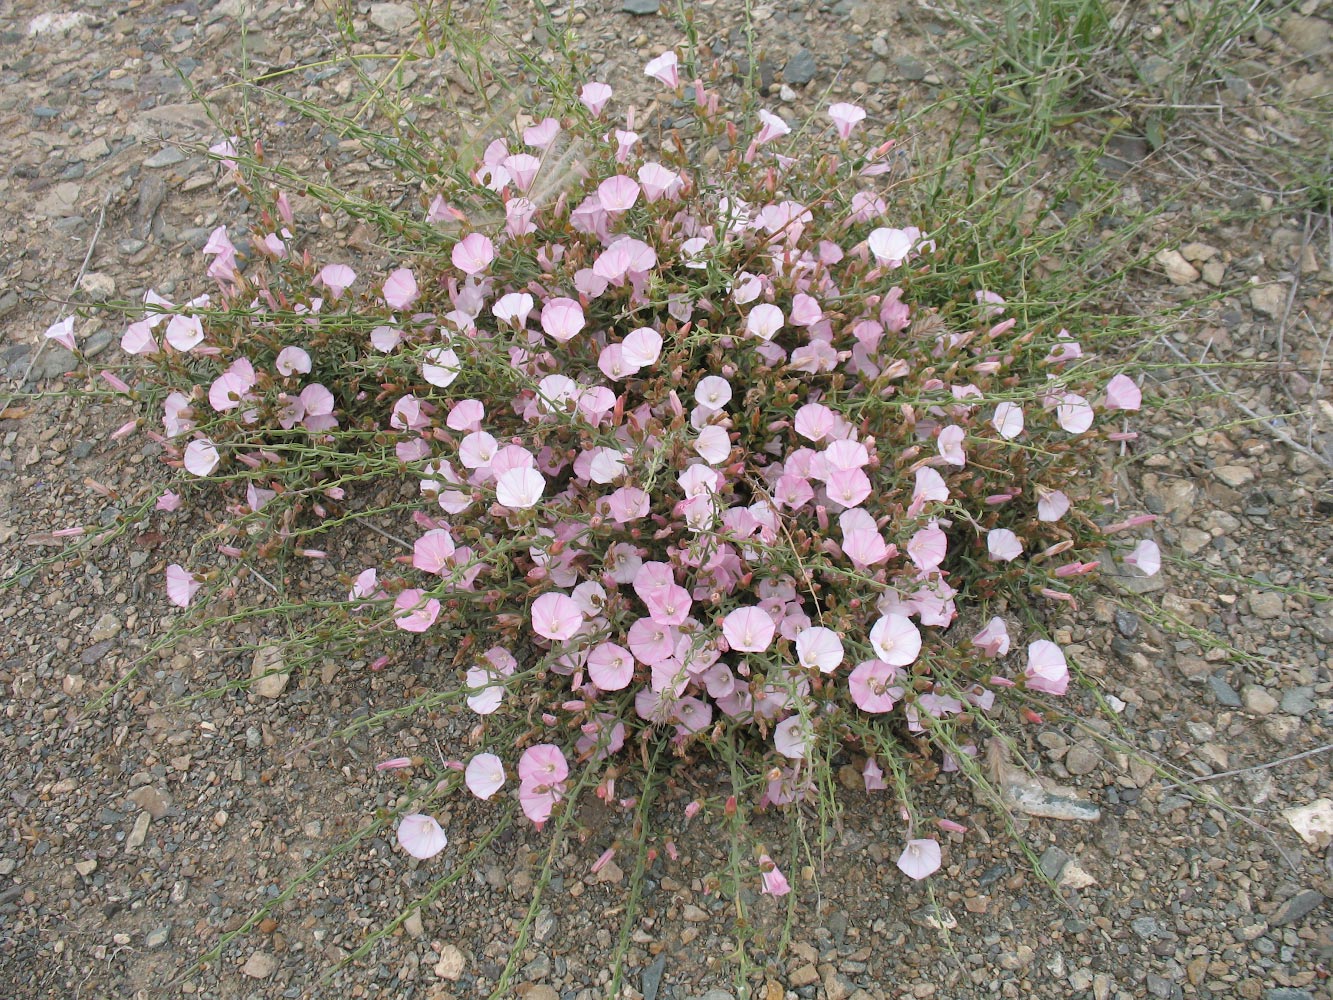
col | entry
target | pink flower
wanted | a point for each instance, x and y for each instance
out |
(927, 547)
(138, 339)
(184, 332)
(181, 586)
(394, 764)
(950, 444)
(432, 551)
(1008, 420)
(201, 457)
(441, 366)
(774, 882)
(62, 332)
(713, 392)
(1073, 413)
(920, 858)
(594, 96)
(642, 347)
(848, 487)
(556, 617)
(292, 361)
(846, 117)
(421, 836)
(485, 775)
(748, 630)
(400, 289)
(871, 684)
(1123, 394)
(337, 278)
(993, 640)
(764, 321)
(168, 501)
(473, 254)
(891, 246)
(930, 486)
(610, 666)
(542, 765)
(873, 776)
(1051, 504)
(1047, 670)
(819, 647)
(1146, 556)
(663, 69)
(814, 421)
(773, 128)
(896, 640)
(542, 134)
(656, 181)
(413, 612)
(792, 737)
(1003, 545)
(618, 193)
(713, 444)
(562, 319)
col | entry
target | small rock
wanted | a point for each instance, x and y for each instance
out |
(269, 679)
(1082, 759)
(1307, 35)
(1224, 693)
(159, 937)
(151, 801)
(85, 868)
(1296, 908)
(1053, 861)
(609, 874)
(1265, 604)
(652, 978)
(98, 286)
(806, 975)
(412, 924)
(260, 965)
(1297, 701)
(1234, 476)
(1258, 701)
(1198, 252)
(800, 68)
(1149, 928)
(694, 914)
(1213, 272)
(910, 69)
(451, 964)
(1179, 271)
(1269, 299)
(529, 991)
(717, 995)
(168, 156)
(1313, 823)
(640, 7)
(1287, 993)
(391, 18)
(140, 831)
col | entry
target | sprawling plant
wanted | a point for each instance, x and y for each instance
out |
(706, 449)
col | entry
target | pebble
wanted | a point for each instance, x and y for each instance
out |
(529, 991)
(800, 68)
(1082, 759)
(168, 156)
(451, 964)
(159, 937)
(140, 831)
(1270, 299)
(652, 978)
(910, 69)
(1224, 693)
(150, 800)
(268, 678)
(1287, 993)
(1297, 701)
(1234, 476)
(1297, 908)
(1179, 271)
(412, 924)
(716, 995)
(260, 965)
(1258, 701)
(640, 7)
(1307, 35)
(391, 18)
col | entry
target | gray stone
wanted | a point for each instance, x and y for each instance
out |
(800, 68)
(169, 156)
(151, 800)
(1296, 908)
(877, 73)
(140, 831)
(1126, 623)
(1082, 759)
(268, 678)
(652, 978)
(1307, 35)
(391, 18)
(260, 965)
(159, 937)
(717, 995)
(1265, 604)
(8, 301)
(1297, 701)
(1287, 993)
(1053, 861)
(640, 7)
(1149, 928)
(910, 69)
(1224, 693)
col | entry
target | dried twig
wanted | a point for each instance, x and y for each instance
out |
(1260, 767)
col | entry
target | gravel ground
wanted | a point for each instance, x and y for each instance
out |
(135, 835)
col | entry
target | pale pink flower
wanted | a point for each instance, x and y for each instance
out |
(441, 366)
(846, 117)
(713, 392)
(168, 501)
(792, 737)
(594, 96)
(337, 278)
(385, 338)
(466, 415)
(519, 213)
(920, 858)
(432, 551)
(1073, 413)
(473, 254)
(664, 69)
(394, 764)
(292, 361)
(748, 630)
(642, 347)
(872, 686)
(1146, 556)
(181, 585)
(928, 547)
(400, 289)
(1051, 504)
(1046, 669)
(770, 875)
(656, 181)
(201, 457)
(896, 640)
(543, 765)
(519, 489)
(562, 319)
(773, 128)
(414, 612)
(1123, 394)
(873, 775)
(184, 332)
(542, 134)
(764, 321)
(62, 332)
(993, 640)
(522, 167)
(618, 193)
(950, 443)
(1003, 545)
(421, 836)
(1008, 420)
(930, 485)
(556, 616)
(610, 666)
(138, 338)
(814, 421)
(848, 487)
(484, 775)
(713, 444)
(891, 246)
(819, 647)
